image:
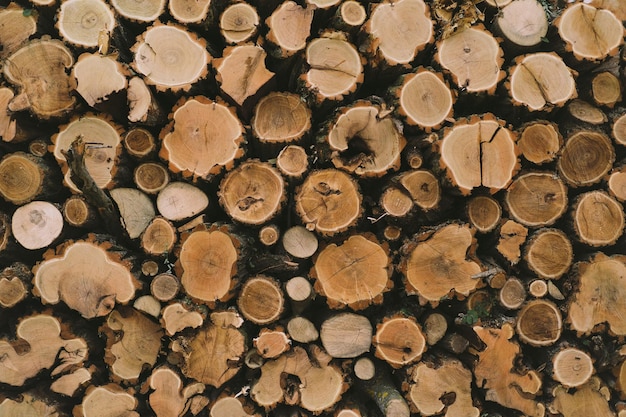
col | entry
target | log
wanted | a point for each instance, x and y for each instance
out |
(80, 22)
(522, 23)
(374, 379)
(549, 253)
(176, 318)
(16, 26)
(186, 11)
(180, 200)
(512, 237)
(512, 295)
(139, 11)
(592, 397)
(289, 27)
(77, 212)
(272, 343)
(168, 397)
(24, 178)
(484, 213)
(261, 300)
(239, 23)
(151, 177)
(540, 141)
(346, 335)
(15, 284)
(606, 89)
(101, 400)
(37, 224)
(536, 199)
(97, 77)
(292, 162)
(599, 157)
(572, 367)
(598, 219)
(539, 323)
(135, 208)
(399, 341)
(281, 119)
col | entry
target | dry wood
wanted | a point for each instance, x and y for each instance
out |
(395, 202)
(536, 199)
(15, 284)
(159, 237)
(512, 237)
(512, 294)
(302, 330)
(592, 397)
(398, 31)
(203, 138)
(572, 367)
(549, 253)
(29, 405)
(289, 27)
(139, 143)
(586, 158)
(541, 81)
(435, 328)
(616, 183)
(136, 210)
(261, 300)
(180, 200)
(231, 407)
(165, 286)
(133, 341)
(16, 27)
(590, 33)
(350, 16)
(346, 335)
(77, 212)
(80, 22)
(334, 68)
(354, 273)
(106, 400)
(281, 118)
(434, 267)
(484, 213)
(139, 10)
(101, 143)
(168, 397)
(47, 347)
(92, 288)
(539, 323)
(582, 111)
(318, 388)
(149, 305)
(300, 242)
(300, 293)
(600, 284)
(479, 151)
(375, 380)
(523, 23)
(538, 288)
(142, 104)
(430, 385)
(399, 340)
(170, 57)
(97, 77)
(494, 372)
(606, 89)
(272, 343)
(424, 99)
(473, 57)
(41, 59)
(241, 72)
(239, 23)
(598, 218)
(328, 201)
(188, 11)
(252, 193)
(540, 141)
(70, 383)
(292, 162)
(151, 177)
(24, 177)
(213, 355)
(37, 224)
(176, 317)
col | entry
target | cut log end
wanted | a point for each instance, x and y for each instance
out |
(598, 218)
(399, 341)
(81, 21)
(239, 22)
(572, 367)
(549, 253)
(261, 300)
(425, 99)
(539, 323)
(536, 199)
(484, 213)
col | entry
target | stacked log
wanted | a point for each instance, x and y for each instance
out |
(330, 207)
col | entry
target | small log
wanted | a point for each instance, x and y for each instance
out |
(15, 284)
(170, 57)
(91, 288)
(300, 293)
(599, 153)
(572, 367)
(239, 23)
(399, 340)
(77, 212)
(105, 400)
(80, 22)
(396, 203)
(139, 143)
(100, 143)
(435, 328)
(176, 318)
(231, 407)
(598, 218)
(97, 77)
(281, 118)
(355, 273)
(272, 343)
(398, 31)
(252, 193)
(138, 10)
(512, 237)
(536, 199)
(299, 242)
(512, 295)
(168, 397)
(149, 305)
(479, 151)
(269, 235)
(213, 355)
(180, 200)
(165, 286)
(302, 330)
(48, 347)
(541, 81)
(617, 184)
(133, 341)
(142, 105)
(591, 34)
(484, 213)
(186, 11)
(375, 380)
(350, 16)
(69, 384)
(581, 112)
(429, 386)
(16, 27)
(159, 237)
(606, 89)
(494, 372)
(439, 263)
(538, 288)
(364, 140)
(328, 201)
(334, 68)
(261, 300)
(523, 24)
(549, 253)
(37, 224)
(136, 210)
(540, 141)
(292, 162)
(151, 177)
(203, 138)
(41, 59)
(24, 178)
(600, 283)
(424, 99)
(479, 68)
(346, 335)
(592, 397)
(618, 129)
(27, 405)
(539, 323)
(289, 28)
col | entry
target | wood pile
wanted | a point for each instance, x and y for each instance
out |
(326, 207)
